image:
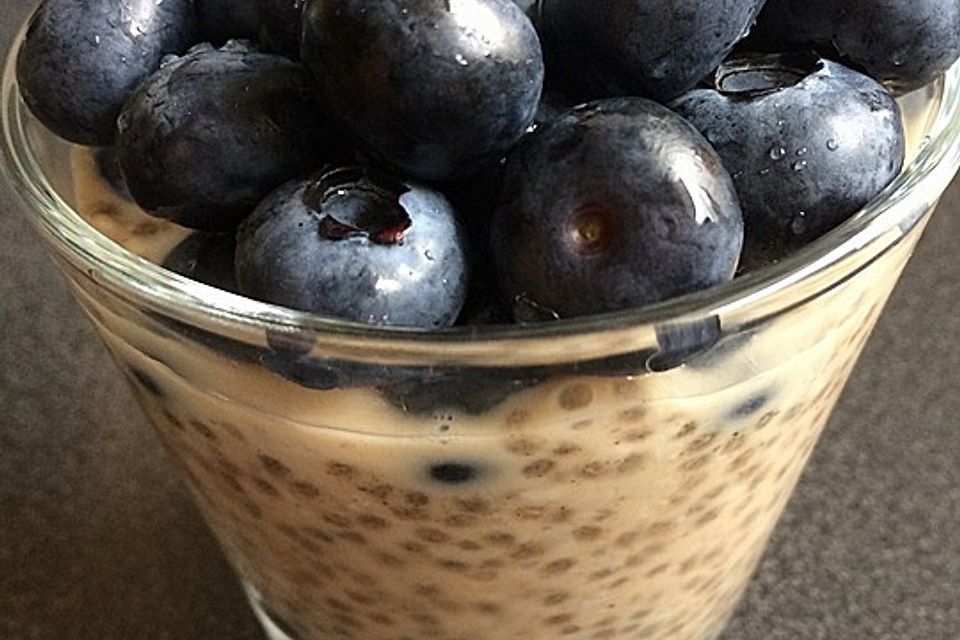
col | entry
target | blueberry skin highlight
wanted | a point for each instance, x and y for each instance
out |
(652, 48)
(904, 44)
(213, 132)
(435, 89)
(82, 58)
(808, 142)
(617, 204)
(357, 245)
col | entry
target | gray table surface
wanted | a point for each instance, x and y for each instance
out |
(98, 538)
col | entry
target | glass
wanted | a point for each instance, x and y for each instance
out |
(602, 478)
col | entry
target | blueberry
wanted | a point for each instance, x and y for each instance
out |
(808, 141)
(80, 60)
(617, 204)
(211, 133)
(356, 244)
(205, 258)
(196, 337)
(678, 344)
(222, 20)
(435, 89)
(751, 406)
(454, 472)
(902, 43)
(472, 391)
(280, 25)
(290, 356)
(654, 48)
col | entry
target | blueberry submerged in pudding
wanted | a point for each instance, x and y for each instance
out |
(455, 472)
(469, 391)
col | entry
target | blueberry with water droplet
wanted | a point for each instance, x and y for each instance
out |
(841, 129)
(438, 115)
(204, 139)
(902, 43)
(353, 243)
(654, 48)
(615, 205)
(80, 60)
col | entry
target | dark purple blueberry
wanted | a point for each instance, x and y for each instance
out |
(80, 60)
(211, 133)
(291, 357)
(280, 24)
(475, 199)
(435, 89)
(359, 245)
(471, 391)
(618, 204)
(454, 472)
(808, 141)
(205, 258)
(678, 343)
(902, 43)
(223, 20)
(751, 406)
(652, 48)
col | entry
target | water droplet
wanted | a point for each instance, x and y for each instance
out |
(428, 255)
(763, 172)
(832, 144)
(777, 153)
(800, 165)
(802, 151)
(96, 40)
(461, 60)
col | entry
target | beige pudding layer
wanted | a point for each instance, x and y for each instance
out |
(596, 508)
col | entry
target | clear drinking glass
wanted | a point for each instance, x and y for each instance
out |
(614, 477)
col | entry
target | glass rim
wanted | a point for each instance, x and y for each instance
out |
(731, 306)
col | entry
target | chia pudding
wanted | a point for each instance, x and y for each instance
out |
(582, 506)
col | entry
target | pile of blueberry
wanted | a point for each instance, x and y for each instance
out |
(432, 162)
